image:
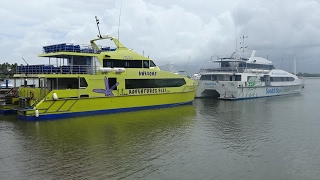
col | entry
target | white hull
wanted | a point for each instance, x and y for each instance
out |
(206, 89)
(5, 86)
(243, 78)
(235, 90)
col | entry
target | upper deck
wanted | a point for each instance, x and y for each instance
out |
(78, 48)
(68, 58)
(71, 63)
(51, 69)
(233, 64)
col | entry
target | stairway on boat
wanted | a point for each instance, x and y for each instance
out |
(5, 96)
(43, 105)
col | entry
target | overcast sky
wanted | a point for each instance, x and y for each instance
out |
(187, 33)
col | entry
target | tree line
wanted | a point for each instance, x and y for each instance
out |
(308, 75)
(7, 70)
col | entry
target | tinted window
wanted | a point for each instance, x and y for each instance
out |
(205, 77)
(154, 83)
(152, 64)
(122, 63)
(145, 63)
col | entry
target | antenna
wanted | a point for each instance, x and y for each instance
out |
(25, 61)
(295, 65)
(171, 68)
(97, 21)
(242, 46)
(119, 22)
(236, 38)
(186, 66)
(289, 65)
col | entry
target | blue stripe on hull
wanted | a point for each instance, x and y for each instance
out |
(9, 111)
(87, 113)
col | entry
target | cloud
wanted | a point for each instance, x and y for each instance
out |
(282, 29)
(176, 32)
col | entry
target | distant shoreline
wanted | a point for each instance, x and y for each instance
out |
(308, 77)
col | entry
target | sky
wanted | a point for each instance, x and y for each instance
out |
(185, 33)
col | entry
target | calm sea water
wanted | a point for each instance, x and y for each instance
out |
(267, 138)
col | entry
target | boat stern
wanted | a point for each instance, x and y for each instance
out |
(228, 89)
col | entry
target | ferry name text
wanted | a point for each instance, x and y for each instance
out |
(148, 91)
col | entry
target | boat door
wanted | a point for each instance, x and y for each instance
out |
(43, 85)
(233, 78)
(267, 80)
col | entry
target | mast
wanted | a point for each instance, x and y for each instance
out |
(119, 22)
(242, 45)
(294, 65)
(97, 21)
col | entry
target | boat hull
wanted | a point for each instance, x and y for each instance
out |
(64, 108)
(235, 91)
(207, 89)
(7, 111)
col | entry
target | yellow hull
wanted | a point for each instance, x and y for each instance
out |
(42, 103)
(91, 79)
(68, 107)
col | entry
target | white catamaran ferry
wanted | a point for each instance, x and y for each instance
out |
(243, 78)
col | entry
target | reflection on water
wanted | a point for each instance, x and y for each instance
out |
(107, 146)
(237, 121)
(267, 138)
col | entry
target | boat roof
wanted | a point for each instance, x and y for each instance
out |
(259, 60)
(252, 59)
(67, 50)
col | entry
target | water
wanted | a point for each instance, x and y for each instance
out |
(267, 138)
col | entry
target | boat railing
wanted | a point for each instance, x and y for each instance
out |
(51, 69)
(261, 71)
(223, 69)
(234, 70)
(6, 96)
(79, 48)
(43, 93)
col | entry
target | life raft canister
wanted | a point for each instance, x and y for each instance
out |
(13, 92)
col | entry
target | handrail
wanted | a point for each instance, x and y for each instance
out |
(39, 98)
(223, 69)
(233, 69)
(79, 48)
(50, 69)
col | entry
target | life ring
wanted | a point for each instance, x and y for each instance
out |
(13, 92)
(31, 95)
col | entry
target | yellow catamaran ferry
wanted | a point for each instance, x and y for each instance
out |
(92, 79)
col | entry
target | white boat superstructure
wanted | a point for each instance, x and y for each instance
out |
(5, 84)
(243, 78)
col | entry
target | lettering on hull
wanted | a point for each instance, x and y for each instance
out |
(147, 91)
(147, 73)
(210, 83)
(277, 90)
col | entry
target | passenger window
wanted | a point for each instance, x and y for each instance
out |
(145, 63)
(152, 64)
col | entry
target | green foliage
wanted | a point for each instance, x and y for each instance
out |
(7, 70)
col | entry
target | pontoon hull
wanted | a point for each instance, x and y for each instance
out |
(235, 90)
(207, 89)
(63, 108)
